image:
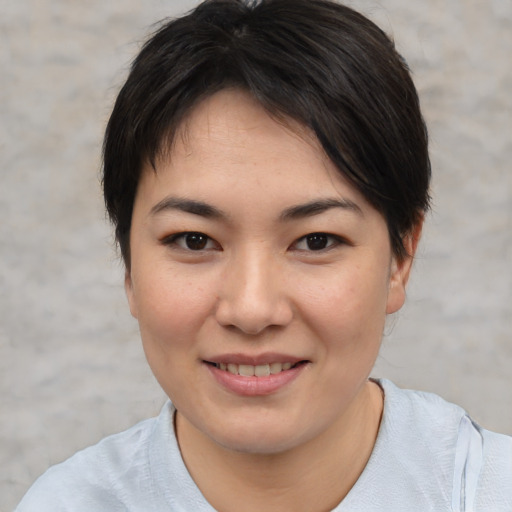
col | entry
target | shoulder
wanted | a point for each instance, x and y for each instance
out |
(103, 477)
(473, 464)
(420, 420)
(495, 472)
(414, 405)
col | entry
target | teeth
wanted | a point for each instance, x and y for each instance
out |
(276, 368)
(248, 370)
(262, 370)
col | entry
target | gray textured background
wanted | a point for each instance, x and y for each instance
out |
(71, 366)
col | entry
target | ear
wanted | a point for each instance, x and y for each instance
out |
(130, 294)
(401, 269)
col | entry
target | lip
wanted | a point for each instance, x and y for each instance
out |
(254, 360)
(255, 386)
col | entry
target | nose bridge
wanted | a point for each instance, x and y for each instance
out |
(252, 295)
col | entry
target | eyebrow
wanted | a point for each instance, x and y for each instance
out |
(317, 207)
(189, 206)
(292, 213)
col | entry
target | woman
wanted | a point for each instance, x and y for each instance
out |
(267, 172)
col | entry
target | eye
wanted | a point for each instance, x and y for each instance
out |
(317, 242)
(191, 241)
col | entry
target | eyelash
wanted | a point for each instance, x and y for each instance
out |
(202, 238)
(174, 240)
(314, 237)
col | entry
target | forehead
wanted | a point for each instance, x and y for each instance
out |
(229, 147)
(233, 119)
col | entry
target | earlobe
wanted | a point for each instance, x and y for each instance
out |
(128, 288)
(401, 269)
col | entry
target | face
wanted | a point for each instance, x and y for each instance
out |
(260, 278)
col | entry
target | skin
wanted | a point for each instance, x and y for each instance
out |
(256, 289)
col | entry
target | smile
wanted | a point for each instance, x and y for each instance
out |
(260, 370)
(254, 380)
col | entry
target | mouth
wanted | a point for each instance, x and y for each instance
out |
(260, 370)
(261, 375)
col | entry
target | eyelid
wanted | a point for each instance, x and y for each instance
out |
(211, 244)
(172, 240)
(336, 241)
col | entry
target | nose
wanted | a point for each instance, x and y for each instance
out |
(253, 295)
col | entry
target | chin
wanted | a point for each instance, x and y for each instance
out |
(257, 443)
(262, 436)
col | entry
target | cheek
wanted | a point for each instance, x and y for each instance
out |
(170, 307)
(172, 312)
(350, 302)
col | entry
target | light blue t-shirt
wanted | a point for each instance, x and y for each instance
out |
(429, 456)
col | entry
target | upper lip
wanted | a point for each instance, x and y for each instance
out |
(254, 360)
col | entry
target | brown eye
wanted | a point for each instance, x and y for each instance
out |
(191, 241)
(317, 241)
(195, 241)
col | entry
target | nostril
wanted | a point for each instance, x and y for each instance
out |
(254, 317)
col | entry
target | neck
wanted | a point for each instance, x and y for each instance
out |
(314, 476)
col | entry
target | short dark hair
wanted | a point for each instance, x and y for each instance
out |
(314, 61)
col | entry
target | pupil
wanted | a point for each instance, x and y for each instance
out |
(196, 241)
(317, 242)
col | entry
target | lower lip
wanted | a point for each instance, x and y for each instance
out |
(255, 386)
